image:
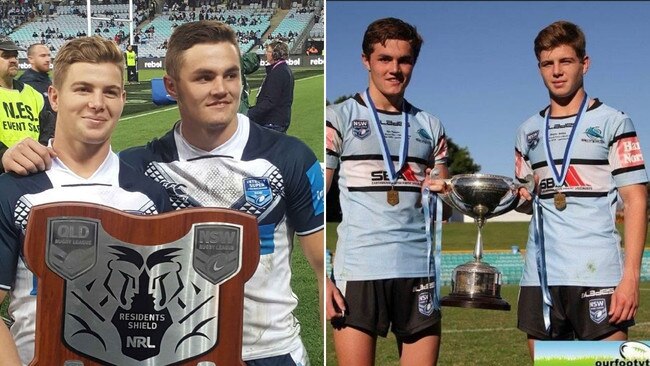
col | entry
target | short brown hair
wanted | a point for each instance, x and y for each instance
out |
(93, 50)
(384, 29)
(558, 34)
(190, 34)
(32, 47)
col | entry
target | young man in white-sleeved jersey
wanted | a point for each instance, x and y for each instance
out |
(586, 157)
(88, 94)
(382, 272)
(215, 157)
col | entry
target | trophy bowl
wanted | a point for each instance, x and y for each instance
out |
(476, 284)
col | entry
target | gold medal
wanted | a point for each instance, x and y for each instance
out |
(560, 201)
(392, 196)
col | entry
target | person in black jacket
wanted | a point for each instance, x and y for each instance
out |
(37, 76)
(274, 99)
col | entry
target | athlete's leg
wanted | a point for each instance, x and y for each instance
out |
(354, 347)
(420, 349)
(531, 346)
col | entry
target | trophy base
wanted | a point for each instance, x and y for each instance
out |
(476, 285)
(480, 302)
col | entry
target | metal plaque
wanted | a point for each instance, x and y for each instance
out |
(143, 305)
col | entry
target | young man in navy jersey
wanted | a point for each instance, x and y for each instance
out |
(88, 94)
(214, 157)
(586, 157)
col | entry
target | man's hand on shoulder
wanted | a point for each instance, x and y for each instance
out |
(27, 157)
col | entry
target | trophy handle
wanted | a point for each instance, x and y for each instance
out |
(528, 183)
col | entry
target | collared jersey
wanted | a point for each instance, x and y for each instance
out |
(114, 184)
(377, 240)
(582, 245)
(270, 175)
(19, 113)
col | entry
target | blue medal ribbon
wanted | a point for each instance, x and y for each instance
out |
(540, 257)
(560, 177)
(385, 152)
(430, 201)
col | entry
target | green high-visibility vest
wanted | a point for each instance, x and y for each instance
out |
(130, 58)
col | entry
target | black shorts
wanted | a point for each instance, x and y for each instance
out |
(577, 312)
(403, 304)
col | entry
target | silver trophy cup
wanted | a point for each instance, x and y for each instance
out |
(476, 284)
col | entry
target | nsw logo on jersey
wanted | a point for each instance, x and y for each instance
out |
(532, 139)
(361, 128)
(258, 191)
(597, 310)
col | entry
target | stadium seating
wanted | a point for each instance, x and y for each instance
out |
(69, 24)
(164, 28)
(68, 21)
(297, 22)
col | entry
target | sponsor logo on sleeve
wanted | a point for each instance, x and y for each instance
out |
(629, 152)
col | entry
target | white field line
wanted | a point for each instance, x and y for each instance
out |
(175, 106)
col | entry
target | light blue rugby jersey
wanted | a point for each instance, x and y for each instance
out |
(581, 242)
(377, 240)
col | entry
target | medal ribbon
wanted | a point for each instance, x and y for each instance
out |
(429, 202)
(560, 177)
(540, 257)
(385, 152)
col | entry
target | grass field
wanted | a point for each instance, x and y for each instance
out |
(482, 337)
(142, 120)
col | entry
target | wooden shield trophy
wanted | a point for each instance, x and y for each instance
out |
(122, 289)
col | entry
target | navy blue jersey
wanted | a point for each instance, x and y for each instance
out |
(275, 177)
(114, 184)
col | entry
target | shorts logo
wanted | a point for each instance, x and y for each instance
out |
(532, 139)
(360, 128)
(258, 191)
(425, 303)
(597, 310)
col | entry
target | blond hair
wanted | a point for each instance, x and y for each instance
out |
(92, 50)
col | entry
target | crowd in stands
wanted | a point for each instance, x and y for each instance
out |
(67, 21)
(15, 13)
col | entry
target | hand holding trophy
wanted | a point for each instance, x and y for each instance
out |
(476, 284)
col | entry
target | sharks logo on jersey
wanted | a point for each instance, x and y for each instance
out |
(594, 134)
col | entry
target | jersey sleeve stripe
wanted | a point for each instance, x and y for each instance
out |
(330, 125)
(622, 136)
(627, 170)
